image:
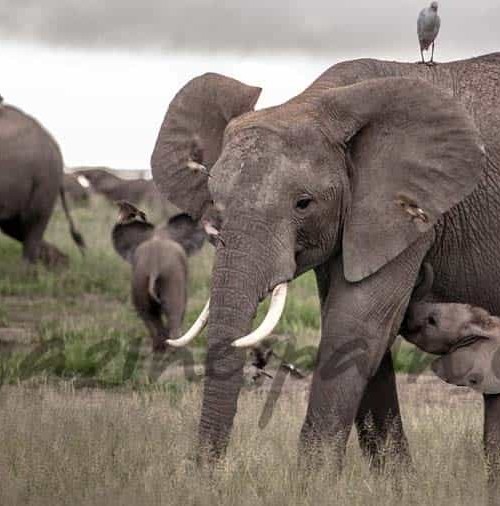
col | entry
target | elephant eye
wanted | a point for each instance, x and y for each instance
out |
(303, 203)
(432, 321)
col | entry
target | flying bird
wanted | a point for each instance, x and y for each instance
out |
(428, 24)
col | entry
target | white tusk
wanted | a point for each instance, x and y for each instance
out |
(191, 164)
(195, 329)
(278, 299)
(83, 181)
(210, 229)
(198, 167)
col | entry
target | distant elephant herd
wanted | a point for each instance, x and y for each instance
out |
(81, 183)
(381, 177)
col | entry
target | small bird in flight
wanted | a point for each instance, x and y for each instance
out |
(428, 28)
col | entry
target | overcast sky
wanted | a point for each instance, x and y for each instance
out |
(100, 73)
(316, 25)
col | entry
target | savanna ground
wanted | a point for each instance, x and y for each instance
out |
(86, 418)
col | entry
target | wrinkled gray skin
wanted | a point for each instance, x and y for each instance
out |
(77, 194)
(360, 183)
(114, 188)
(159, 268)
(467, 337)
(31, 178)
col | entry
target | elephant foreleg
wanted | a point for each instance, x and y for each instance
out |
(359, 320)
(379, 423)
(492, 446)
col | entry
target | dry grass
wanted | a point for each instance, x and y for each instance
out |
(133, 444)
(59, 446)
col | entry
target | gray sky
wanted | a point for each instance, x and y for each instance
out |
(99, 74)
(245, 25)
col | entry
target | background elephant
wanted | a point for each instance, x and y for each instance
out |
(114, 188)
(159, 267)
(372, 169)
(78, 194)
(31, 177)
(99, 178)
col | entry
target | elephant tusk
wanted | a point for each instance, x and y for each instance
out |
(278, 300)
(83, 181)
(198, 167)
(195, 329)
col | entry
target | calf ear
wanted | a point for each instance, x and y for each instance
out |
(187, 232)
(191, 135)
(126, 238)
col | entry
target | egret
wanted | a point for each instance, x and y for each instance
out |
(428, 28)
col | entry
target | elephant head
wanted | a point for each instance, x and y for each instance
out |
(466, 337)
(360, 171)
(133, 228)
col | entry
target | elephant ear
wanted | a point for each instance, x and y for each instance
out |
(413, 152)
(187, 232)
(128, 237)
(191, 135)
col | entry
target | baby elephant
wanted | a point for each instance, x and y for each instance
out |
(159, 267)
(466, 337)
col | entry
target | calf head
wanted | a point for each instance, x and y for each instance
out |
(467, 337)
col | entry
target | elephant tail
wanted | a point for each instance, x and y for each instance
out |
(75, 235)
(153, 278)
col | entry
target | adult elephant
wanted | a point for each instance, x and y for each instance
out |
(372, 169)
(31, 178)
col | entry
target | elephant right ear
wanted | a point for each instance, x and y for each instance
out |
(191, 135)
(187, 232)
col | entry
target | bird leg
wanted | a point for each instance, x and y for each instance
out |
(431, 61)
(422, 54)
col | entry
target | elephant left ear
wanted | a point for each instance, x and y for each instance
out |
(413, 153)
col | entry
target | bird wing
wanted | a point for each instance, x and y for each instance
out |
(421, 22)
(437, 26)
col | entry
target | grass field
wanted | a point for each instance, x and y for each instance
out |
(85, 421)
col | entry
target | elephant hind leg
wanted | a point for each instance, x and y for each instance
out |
(13, 227)
(34, 247)
(492, 446)
(152, 318)
(173, 301)
(378, 421)
(149, 311)
(34, 228)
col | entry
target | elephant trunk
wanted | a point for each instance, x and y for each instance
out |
(240, 281)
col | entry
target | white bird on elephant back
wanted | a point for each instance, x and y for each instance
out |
(428, 24)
